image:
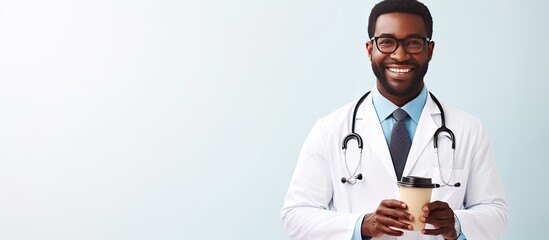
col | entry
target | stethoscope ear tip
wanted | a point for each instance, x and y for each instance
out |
(457, 184)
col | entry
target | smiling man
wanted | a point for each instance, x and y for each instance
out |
(400, 71)
(345, 185)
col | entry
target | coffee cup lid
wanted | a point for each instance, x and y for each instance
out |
(420, 182)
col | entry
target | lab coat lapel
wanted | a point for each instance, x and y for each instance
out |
(424, 133)
(373, 135)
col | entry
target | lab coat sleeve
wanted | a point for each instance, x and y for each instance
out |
(306, 214)
(486, 214)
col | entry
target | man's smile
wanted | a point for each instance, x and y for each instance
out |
(399, 70)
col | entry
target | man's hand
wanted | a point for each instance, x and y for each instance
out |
(377, 224)
(440, 215)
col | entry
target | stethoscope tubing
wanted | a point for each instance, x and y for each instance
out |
(353, 135)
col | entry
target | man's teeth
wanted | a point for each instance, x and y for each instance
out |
(400, 70)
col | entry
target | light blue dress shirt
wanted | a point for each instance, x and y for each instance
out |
(384, 109)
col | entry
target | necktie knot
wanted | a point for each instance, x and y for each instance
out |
(400, 115)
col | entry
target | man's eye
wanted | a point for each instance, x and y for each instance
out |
(386, 42)
(413, 43)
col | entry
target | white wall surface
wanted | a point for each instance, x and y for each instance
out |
(167, 119)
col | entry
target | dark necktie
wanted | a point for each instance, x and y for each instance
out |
(400, 142)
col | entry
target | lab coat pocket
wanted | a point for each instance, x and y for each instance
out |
(449, 191)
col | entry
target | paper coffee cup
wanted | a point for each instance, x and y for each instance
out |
(416, 193)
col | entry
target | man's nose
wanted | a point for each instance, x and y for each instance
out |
(400, 54)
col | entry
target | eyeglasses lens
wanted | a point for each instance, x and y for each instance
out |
(389, 45)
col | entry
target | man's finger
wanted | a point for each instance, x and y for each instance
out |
(394, 204)
(435, 205)
(395, 214)
(395, 223)
(435, 222)
(390, 231)
(437, 231)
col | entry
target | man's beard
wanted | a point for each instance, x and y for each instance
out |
(417, 79)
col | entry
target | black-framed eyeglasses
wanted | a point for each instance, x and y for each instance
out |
(388, 44)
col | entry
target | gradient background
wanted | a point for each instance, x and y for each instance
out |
(142, 119)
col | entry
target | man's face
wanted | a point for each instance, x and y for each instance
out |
(400, 74)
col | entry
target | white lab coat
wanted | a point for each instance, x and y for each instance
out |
(319, 206)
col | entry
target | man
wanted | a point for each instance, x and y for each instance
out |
(321, 205)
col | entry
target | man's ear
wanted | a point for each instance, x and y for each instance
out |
(369, 49)
(431, 46)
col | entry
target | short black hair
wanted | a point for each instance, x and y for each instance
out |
(401, 6)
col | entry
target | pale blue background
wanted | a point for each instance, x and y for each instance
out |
(125, 119)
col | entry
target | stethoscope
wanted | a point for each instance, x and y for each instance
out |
(353, 177)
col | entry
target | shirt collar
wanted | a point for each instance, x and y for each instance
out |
(384, 107)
